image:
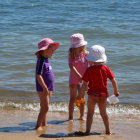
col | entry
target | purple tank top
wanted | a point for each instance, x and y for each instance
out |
(44, 68)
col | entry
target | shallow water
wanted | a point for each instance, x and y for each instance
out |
(114, 25)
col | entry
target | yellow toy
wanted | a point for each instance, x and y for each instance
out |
(78, 102)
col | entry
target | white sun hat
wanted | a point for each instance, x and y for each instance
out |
(77, 40)
(97, 54)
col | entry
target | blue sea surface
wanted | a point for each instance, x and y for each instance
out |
(112, 24)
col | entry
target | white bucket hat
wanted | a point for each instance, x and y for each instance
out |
(97, 54)
(77, 40)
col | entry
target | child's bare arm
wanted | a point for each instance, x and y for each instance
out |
(73, 69)
(82, 90)
(42, 83)
(115, 86)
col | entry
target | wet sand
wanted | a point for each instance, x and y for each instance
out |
(19, 125)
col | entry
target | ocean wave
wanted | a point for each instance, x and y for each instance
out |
(118, 109)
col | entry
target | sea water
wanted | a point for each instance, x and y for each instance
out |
(112, 24)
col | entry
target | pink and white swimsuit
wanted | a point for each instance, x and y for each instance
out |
(81, 64)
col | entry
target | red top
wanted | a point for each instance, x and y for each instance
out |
(96, 76)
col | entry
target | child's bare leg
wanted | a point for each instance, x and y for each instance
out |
(82, 108)
(40, 120)
(103, 113)
(90, 113)
(73, 94)
(44, 123)
(44, 104)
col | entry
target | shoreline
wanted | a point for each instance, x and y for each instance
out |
(17, 124)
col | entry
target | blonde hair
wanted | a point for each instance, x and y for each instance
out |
(74, 52)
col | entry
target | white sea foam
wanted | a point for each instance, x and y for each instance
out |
(118, 109)
(124, 109)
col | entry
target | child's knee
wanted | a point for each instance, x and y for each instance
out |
(104, 116)
(90, 115)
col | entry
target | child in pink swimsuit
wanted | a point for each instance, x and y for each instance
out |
(78, 65)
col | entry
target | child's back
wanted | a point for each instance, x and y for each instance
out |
(95, 78)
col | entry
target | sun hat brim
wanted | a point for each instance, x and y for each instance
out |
(45, 47)
(95, 59)
(79, 44)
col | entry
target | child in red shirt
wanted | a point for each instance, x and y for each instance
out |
(95, 78)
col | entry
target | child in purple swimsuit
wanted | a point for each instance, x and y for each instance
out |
(44, 77)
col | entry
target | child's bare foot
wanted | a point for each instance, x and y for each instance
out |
(39, 128)
(108, 133)
(70, 119)
(46, 125)
(82, 118)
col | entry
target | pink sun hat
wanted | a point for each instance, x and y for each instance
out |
(44, 44)
(77, 40)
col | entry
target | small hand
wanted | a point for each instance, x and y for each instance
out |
(50, 93)
(78, 98)
(45, 90)
(117, 94)
(80, 79)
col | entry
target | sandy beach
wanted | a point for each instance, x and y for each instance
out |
(19, 125)
(33, 137)
(112, 24)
